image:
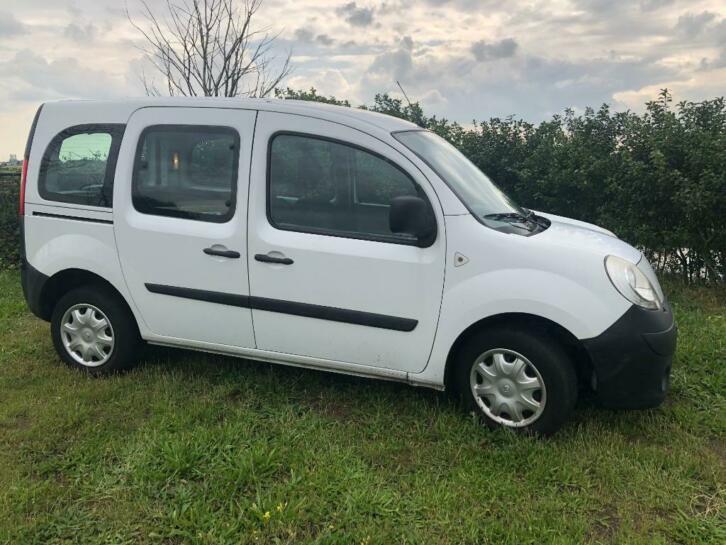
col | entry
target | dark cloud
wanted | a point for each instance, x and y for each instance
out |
(529, 85)
(304, 35)
(720, 32)
(692, 25)
(460, 4)
(9, 25)
(324, 39)
(81, 33)
(652, 5)
(356, 16)
(486, 51)
(397, 63)
(307, 36)
(615, 7)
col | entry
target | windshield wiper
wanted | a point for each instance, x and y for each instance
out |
(513, 217)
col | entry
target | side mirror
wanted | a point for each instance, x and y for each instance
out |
(412, 215)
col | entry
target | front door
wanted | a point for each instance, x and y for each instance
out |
(180, 214)
(328, 278)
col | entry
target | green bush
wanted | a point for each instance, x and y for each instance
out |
(657, 179)
(9, 228)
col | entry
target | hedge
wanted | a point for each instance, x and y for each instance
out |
(657, 179)
(9, 231)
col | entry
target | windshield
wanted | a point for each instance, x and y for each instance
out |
(471, 185)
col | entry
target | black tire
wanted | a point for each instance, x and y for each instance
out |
(125, 332)
(545, 355)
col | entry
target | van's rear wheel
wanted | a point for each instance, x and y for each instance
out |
(517, 380)
(93, 330)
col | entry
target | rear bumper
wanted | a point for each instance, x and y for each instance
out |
(632, 359)
(33, 282)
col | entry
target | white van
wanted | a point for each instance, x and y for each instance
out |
(330, 238)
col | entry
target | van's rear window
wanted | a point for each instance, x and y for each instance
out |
(78, 165)
(187, 171)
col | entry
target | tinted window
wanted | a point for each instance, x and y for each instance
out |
(79, 164)
(323, 186)
(187, 172)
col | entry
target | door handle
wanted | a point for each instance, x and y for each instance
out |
(264, 258)
(222, 252)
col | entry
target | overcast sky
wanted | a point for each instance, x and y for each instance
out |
(463, 59)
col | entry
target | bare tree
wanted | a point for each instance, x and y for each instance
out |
(210, 48)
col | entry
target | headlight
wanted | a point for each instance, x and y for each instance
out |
(631, 283)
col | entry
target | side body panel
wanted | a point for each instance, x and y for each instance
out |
(54, 244)
(169, 251)
(348, 274)
(534, 275)
(60, 236)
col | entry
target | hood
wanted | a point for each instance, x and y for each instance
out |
(577, 223)
(586, 237)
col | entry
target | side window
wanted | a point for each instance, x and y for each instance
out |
(186, 171)
(78, 165)
(328, 187)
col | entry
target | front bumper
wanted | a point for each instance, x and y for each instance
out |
(632, 359)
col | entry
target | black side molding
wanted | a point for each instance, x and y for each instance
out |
(74, 218)
(333, 314)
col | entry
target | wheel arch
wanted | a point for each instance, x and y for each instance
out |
(526, 322)
(65, 280)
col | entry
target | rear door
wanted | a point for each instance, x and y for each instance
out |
(180, 213)
(328, 278)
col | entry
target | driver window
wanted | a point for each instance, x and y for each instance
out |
(323, 186)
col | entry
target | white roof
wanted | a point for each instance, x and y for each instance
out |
(118, 111)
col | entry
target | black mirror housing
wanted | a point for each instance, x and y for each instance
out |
(412, 215)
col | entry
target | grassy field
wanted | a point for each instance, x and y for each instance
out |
(190, 448)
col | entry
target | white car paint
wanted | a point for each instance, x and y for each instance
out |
(557, 274)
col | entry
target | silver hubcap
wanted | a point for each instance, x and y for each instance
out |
(87, 335)
(507, 387)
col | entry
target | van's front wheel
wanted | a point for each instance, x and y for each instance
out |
(517, 380)
(93, 330)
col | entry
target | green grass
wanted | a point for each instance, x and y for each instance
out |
(190, 448)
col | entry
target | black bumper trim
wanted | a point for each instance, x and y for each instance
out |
(632, 359)
(33, 282)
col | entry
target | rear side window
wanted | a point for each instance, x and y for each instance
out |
(79, 164)
(322, 186)
(186, 171)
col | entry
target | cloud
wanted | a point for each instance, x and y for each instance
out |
(692, 25)
(463, 58)
(81, 33)
(61, 78)
(324, 39)
(652, 5)
(396, 63)
(487, 51)
(9, 25)
(307, 36)
(356, 16)
(304, 35)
